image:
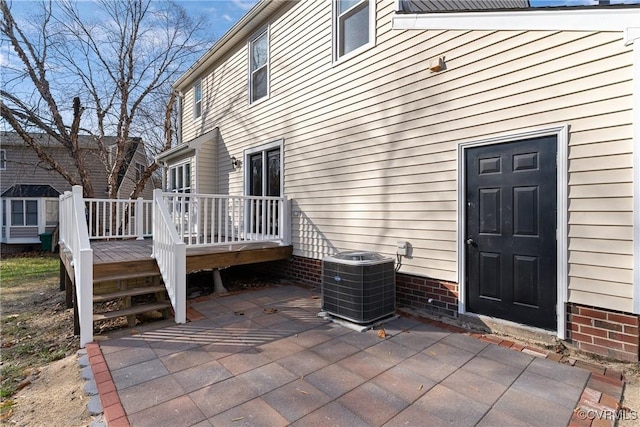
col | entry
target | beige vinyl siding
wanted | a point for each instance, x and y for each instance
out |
(370, 144)
(206, 167)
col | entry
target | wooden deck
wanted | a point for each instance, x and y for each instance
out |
(114, 259)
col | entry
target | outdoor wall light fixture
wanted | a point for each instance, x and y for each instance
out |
(436, 65)
(235, 163)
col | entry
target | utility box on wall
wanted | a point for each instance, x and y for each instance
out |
(358, 286)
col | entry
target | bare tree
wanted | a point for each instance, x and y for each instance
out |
(117, 67)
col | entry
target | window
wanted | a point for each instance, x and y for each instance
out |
(353, 26)
(180, 178)
(52, 211)
(259, 66)
(197, 100)
(3, 160)
(140, 168)
(24, 212)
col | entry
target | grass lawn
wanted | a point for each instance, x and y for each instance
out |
(20, 271)
(37, 328)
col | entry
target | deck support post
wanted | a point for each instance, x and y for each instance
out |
(76, 315)
(68, 289)
(62, 273)
(218, 287)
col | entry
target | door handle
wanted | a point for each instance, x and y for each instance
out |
(471, 242)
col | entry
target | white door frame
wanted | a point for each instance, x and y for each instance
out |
(279, 143)
(561, 132)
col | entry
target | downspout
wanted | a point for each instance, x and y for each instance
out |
(180, 97)
(164, 175)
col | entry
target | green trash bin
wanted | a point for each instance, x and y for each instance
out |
(46, 241)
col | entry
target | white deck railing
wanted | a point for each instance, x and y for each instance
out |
(214, 219)
(175, 221)
(74, 237)
(119, 219)
(169, 251)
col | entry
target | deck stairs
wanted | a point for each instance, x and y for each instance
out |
(136, 288)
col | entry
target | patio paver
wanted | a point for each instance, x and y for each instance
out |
(245, 365)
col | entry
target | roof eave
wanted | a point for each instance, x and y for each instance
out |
(241, 30)
(173, 153)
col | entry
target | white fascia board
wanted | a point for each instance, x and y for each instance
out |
(541, 20)
(166, 156)
(631, 35)
(236, 34)
(193, 145)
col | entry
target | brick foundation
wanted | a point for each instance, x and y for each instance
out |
(604, 332)
(592, 330)
(299, 269)
(426, 294)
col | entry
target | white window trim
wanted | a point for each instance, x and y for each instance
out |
(140, 168)
(265, 147)
(195, 102)
(3, 159)
(176, 166)
(267, 31)
(334, 36)
(24, 212)
(561, 132)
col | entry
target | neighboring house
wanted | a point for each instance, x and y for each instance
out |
(501, 145)
(30, 190)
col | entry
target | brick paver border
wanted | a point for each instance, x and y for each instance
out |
(114, 414)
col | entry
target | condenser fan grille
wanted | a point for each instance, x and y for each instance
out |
(358, 286)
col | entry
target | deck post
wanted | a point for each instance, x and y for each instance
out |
(76, 317)
(62, 274)
(218, 286)
(286, 221)
(139, 219)
(180, 278)
(78, 236)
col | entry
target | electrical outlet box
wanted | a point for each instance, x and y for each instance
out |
(402, 248)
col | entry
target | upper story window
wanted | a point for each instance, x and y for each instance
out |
(197, 100)
(3, 160)
(140, 168)
(259, 66)
(353, 26)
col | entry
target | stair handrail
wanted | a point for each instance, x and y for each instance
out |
(169, 251)
(74, 237)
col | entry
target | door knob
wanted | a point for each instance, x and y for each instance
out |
(470, 242)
